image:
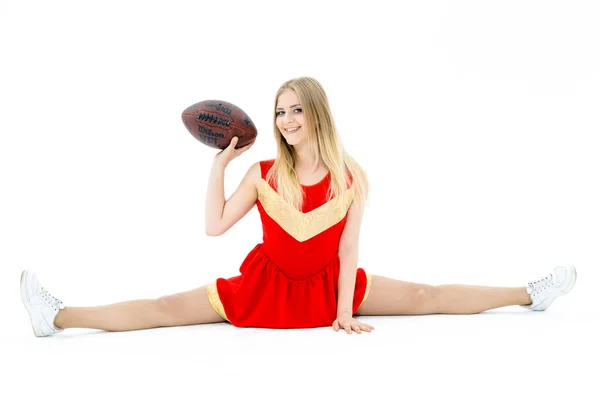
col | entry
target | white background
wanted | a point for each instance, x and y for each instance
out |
(477, 123)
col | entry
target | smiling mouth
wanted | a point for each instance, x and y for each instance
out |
(292, 130)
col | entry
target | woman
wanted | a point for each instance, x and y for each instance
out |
(311, 199)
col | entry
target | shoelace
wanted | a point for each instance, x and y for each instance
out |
(541, 284)
(51, 300)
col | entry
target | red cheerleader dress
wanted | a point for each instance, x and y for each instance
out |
(291, 279)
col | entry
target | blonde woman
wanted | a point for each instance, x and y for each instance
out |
(305, 274)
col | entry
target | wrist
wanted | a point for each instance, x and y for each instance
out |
(219, 164)
(344, 313)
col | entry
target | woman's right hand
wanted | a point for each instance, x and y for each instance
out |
(225, 156)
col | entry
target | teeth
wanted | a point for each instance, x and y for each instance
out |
(292, 129)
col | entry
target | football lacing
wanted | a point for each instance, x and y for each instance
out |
(214, 119)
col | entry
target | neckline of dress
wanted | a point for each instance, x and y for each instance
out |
(318, 183)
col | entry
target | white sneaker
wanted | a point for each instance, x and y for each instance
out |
(544, 290)
(41, 305)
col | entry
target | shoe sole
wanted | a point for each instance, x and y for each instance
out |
(27, 303)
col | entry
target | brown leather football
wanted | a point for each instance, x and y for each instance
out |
(216, 122)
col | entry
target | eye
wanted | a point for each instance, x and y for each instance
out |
(279, 113)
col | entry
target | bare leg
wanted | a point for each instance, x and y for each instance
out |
(468, 299)
(393, 297)
(187, 308)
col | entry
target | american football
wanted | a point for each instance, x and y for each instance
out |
(215, 122)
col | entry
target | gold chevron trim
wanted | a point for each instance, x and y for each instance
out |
(302, 226)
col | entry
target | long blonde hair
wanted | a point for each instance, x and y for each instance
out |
(325, 143)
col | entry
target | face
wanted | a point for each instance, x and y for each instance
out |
(289, 118)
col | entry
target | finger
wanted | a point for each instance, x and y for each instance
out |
(232, 144)
(348, 329)
(356, 328)
(336, 326)
(366, 326)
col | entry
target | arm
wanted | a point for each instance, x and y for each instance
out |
(220, 215)
(348, 253)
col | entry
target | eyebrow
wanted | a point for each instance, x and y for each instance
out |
(295, 105)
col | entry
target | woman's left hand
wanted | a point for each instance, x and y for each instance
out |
(349, 324)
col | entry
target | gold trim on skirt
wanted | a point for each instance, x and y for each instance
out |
(215, 300)
(369, 279)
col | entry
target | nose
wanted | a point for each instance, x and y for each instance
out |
(288, 117)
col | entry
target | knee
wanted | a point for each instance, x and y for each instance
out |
(426, 299)
(169, 305)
